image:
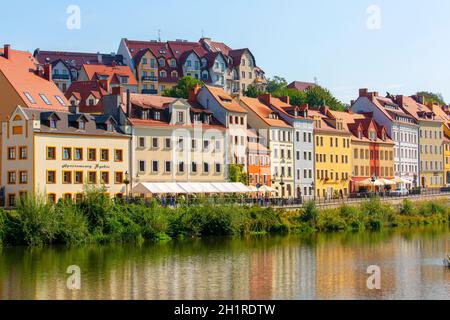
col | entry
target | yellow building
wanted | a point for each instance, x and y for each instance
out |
(332, 155)
(431, 140)
(443, 113)
(55, 153)
(172, 140)
(146, 70)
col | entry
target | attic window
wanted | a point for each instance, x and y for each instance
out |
(61, 101)
(109, 127)
(45, 99)
(29, 97)
(82, 125)
(273, 116)
(373, 135)
(52, 123)
(157, 115)
(225, 99)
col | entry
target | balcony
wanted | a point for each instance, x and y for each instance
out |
(149, 91)
(61, 76)
(149, 78)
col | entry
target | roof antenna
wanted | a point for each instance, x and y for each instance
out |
(316, 81)
(203, 33)
(159, 35)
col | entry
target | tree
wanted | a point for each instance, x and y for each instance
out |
(253, 91)
(236, 174)
(297, 98)
(318, 96)
(181, 90)
(276, 83)
(431, 97)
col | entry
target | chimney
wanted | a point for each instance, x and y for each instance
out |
(286, 99)
(117, 91)
(48, 72)
(114, 63)
(6, 51)
(128, 103)
(266, 99)
(193, 93)
(324, 110)
(363, 92)
(399, 100)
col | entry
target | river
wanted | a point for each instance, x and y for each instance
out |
(323, 266)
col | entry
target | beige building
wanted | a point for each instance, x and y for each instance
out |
(431, 141)
(172, 140)
(54, 154)
(280, 140)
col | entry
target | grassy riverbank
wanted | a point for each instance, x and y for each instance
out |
(98, 220)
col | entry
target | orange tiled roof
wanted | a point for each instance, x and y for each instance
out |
(19, 69)
(225, 100)
(417, 110)
(110, 71)
(264, 112)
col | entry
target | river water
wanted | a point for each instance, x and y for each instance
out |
(324, 266)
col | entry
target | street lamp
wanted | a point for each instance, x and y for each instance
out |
(127, 183)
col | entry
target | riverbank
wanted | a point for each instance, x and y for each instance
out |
(99, 220)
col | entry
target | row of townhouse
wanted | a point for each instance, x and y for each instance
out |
(151, 67)
(55, 145)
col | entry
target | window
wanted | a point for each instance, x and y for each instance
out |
(104, 155)
(118, 177)
(45, 99)
(181, 167)
(206, 167)
(78, 197)
(23, 153)
(78, 177)
(81, 125)
(51, 198)
(61, 101)
(155, 166)
(141, 166)
(67, 177)
(180, 117)
(141, 142)
(104, 177)
(168, 143)
(118, 155)
(23, 177)
(67, 197)
(51, 177)
(51, 153)
(168, 166)
(67, 154)
(78, 154)
(218, 168)
(194, 167)
(11, 177)
(12, 153)
(155, 143)
(29, 97)
(92, 177)
(92, 154)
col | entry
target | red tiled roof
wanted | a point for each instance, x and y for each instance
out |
(110, 71)
(225, 100)
(301, 86)
(215, 46)
(20, 70)
(81, 90)
(264, 112)
(76, 59)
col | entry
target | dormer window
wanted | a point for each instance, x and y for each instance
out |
(173, 63)
(157, 115)
(52, 123)
(273, 116)
(372, 135)
(162, 62)
(124, 80)
(109, 127)
(60, 100)
(180, 117)
(360, 135)
(82, 125)
(207, 119)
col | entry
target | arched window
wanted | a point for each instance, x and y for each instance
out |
(162, 62)
(205, 75)
(163, 74)
(174, 74)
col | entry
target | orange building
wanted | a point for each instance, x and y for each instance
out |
(259, 166)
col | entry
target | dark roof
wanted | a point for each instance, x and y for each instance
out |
(94, 125)
(301, 86)
(77, 59)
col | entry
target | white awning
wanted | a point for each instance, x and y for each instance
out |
(189, 188)
(158, 188)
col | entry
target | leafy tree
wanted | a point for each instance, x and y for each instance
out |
(317, 96)
(236, 173)
(297, 98)
(181, 90)
(276, 83)
(431, 97)
(253, 91)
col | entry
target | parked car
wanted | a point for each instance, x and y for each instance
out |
(400, 192)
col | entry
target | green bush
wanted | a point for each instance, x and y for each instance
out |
(2, 226)
(38, 220)
(73, 227)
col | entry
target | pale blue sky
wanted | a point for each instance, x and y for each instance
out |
(296, 39)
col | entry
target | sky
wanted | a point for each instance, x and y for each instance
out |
(396, 46)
